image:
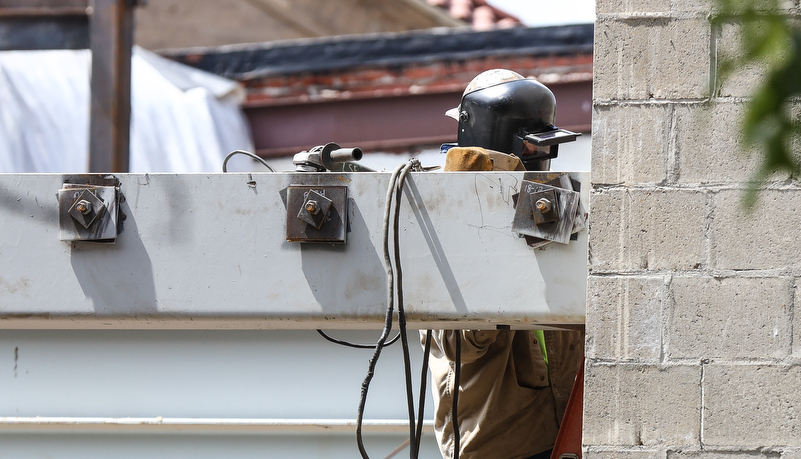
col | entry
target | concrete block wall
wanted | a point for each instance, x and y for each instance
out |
(693, 339)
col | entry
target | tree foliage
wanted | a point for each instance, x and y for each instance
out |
(771, 40)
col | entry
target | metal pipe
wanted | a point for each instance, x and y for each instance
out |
(346, 154)
(111, 40)
(336, 158)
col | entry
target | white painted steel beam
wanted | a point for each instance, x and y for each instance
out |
(209, 251)
(202, 425)
(281, 391)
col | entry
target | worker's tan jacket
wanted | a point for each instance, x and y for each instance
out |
(508, 406)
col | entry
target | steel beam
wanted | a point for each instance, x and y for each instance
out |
(210, 251)
(386, 122)
(43, 24)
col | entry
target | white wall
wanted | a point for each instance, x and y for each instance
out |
(261, 376)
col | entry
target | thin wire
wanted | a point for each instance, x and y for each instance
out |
(246, 153)
(356, 345)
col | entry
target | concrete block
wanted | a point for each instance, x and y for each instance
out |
(764, 238)
(651, 59)
(634, 230)
(729, 318)
(632, 6)
(591, 453)
(751, 406)
(624, 318)
(743, 80)
(709, 149)
(721, 455)
(630, 143)
(664, 7)
(642, 405)
(693, 6)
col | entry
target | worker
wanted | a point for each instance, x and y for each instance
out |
(513, 384)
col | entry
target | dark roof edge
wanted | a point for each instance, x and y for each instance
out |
(387, 49)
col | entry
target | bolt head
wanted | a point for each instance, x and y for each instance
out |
(83, 206)
(312, 207)
(544, 205)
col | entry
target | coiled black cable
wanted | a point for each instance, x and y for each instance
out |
(395, 189)
(394, 193)
(387, 318)
(402, 313)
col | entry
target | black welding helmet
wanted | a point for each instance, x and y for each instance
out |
(503, 111)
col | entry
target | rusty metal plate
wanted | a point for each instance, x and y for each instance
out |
(332, 225)
(557, 231)
(88, 213)
(315, 209)
(546, 207)
(87, 208)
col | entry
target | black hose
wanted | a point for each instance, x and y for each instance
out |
(395, 287)
(422, 403)
(402, 313)
(387, 319)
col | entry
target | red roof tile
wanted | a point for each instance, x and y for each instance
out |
(477, 13)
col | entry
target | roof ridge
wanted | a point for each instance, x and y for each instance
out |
(387, 49)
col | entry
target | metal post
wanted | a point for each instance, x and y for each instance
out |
(111, 41)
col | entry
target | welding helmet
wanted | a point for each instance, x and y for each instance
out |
(503, 111)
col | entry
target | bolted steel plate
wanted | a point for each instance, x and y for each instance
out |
(328, 226)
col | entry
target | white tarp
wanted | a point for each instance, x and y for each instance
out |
(182, 119)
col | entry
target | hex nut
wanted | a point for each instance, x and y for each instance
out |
(544, 205)
(312, 207)
(83, 206)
